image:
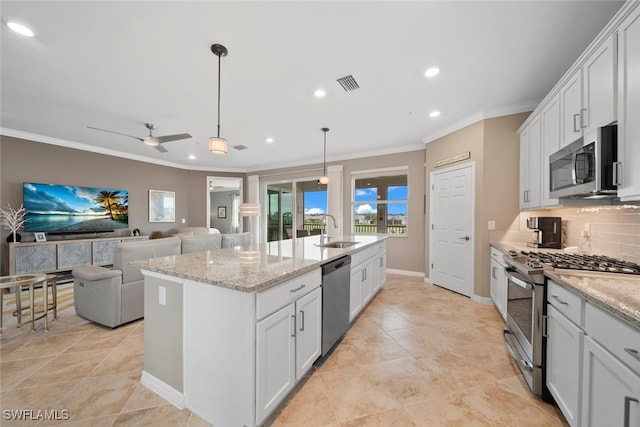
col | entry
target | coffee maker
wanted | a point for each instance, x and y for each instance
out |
(547, 232)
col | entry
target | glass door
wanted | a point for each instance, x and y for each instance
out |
(280, 211)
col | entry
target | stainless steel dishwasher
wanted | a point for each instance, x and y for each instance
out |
(335, 301)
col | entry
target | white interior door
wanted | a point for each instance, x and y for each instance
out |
(451, 237)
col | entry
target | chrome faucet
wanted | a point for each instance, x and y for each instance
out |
(324, 226)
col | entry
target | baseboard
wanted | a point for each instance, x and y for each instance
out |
(169, 393)
(406, 272)
(482, 300)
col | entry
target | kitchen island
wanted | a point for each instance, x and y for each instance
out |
(229, 333)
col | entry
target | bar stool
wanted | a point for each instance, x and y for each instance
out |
(30, 281)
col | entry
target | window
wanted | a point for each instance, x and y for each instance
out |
(380, 202)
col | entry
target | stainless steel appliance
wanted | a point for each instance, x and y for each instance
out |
(547, 232)
(525, 332)
(587, 167)
(335, 301)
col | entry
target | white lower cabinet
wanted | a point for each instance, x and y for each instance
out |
(498, 282)
(593, 371)
(611, 391)
(564, 357)
(287, 343)
(368, 273)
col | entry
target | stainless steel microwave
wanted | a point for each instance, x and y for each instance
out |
(586, 168)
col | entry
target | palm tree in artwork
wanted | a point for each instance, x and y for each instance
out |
(108, 199)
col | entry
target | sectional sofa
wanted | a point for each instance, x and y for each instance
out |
(115, 296)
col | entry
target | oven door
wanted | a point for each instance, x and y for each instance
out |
(523, 335)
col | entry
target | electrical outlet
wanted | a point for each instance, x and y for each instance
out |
(184, 221)
(492, 225)
(162, 295)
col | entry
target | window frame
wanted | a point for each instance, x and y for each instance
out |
(379, 173)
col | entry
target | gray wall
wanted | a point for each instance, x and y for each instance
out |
(222, 198)
(23, 160)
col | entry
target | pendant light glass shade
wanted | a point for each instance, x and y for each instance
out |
(217, 146)
(324, 179)
(250, 209)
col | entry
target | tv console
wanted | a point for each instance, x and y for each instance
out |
(60, 256)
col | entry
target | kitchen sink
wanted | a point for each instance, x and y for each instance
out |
(337, 244)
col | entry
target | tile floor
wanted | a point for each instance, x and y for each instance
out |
(417, 356)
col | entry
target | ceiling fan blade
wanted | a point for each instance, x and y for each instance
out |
(160, 148)
(168, 138)
(118, 133)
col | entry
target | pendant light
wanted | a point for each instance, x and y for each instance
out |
(218, 145)
(324, 179)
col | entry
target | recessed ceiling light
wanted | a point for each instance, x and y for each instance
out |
(269, 140)
(433, 71)
(319, 93)
(20, 29)
(192, 157)
(434, 114)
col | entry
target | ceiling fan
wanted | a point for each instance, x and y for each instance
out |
(152, 141)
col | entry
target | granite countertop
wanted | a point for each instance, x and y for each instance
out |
(257, 267)
(619, 294)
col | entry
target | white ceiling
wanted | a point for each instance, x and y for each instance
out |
(117, 65)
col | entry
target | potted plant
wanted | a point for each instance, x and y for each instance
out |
(13, 219)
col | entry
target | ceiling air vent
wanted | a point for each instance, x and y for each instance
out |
(240, 147)
(348, 83)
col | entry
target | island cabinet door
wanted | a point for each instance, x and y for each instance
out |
(275, 360)
(308, 331)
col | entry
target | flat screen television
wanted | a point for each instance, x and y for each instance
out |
(66, 209)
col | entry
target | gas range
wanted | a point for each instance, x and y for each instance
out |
(532, 262)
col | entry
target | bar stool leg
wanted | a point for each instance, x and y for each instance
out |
(32, 308)
(18, 292)
(45, 304)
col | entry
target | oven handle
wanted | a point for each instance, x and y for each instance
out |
(519, 282)
(525, 363)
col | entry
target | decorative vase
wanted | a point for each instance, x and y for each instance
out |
(14, 238)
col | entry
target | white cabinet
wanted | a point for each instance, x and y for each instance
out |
(498, 282)
(599, 86)
(564, 363)
(550, 144)
(611, 391)
(275, 360)
(308, 332)
(588, 98)
(530, 165)
(629, 106)
(287, 344)
(570, 107)
(368, 272)
(288, 341)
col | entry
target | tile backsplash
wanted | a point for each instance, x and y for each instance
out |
(613, 230)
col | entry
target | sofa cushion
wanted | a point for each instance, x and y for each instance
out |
(197, 230)
(94, 272)
(201, 242)
(128, 251)
(236, 239)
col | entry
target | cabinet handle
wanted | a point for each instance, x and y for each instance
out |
(627, 409)
(302, 320)
(617, 174)
(293, 317)
(297, 289)
(575, 127)
(493, 272)
(633, 353)
(559, 300)
(582, 125)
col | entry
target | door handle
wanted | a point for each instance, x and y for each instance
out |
(616, 173)
(582, 125)
(627, 409)
(633, 353)
(293, 317)
(575, 127)
(302, 320)
(467, 238)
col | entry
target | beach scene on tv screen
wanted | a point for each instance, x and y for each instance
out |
(64, 208)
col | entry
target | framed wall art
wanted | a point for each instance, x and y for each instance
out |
(222, 211)
(162, 206)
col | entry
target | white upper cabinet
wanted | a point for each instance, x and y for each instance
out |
(588, 98)
(530, 165)
(629, 107)
(571, 105)
(599, 95)
(550, 144)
